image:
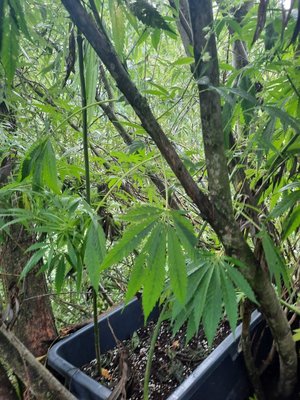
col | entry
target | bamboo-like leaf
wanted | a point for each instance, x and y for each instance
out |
(285, 118)
(291, 223)
(32, 262)
(184, 61)
(72, 253)
(20, 17)
(275, 262)
(49, 170)
(148, 15)
(60, 274)
(91, 61)
(285, 204)
(155, 38)
(156, 262)
(176, 265)
(131, 238)
(94, 252)
(10, 44)
(3, 6)
(117, 25)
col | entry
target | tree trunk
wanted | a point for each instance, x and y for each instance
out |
(34, 324)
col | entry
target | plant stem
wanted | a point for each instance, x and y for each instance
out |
(88, 183)
(151, 352)
(84, 119)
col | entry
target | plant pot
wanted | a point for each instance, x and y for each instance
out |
(221, 376)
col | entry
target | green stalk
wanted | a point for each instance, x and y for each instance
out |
(88, 183)
(151, 352)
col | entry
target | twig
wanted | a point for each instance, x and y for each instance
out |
(119, 391)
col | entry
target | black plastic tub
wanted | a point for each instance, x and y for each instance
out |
(221, 376)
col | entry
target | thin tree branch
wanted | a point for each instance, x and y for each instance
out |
(98, 39)
(40, 381)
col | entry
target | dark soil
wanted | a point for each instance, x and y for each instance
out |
(173, 361)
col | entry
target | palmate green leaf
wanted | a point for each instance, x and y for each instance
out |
(60, 275)
(199, 302)
(156, 263)
(140, 213)
(191, 329)
(291, 223)
(275, 262)
(40, 162)
(137, 274)
(176, 265)
(185, 232)
(182, 315)
(213, 306)
(32, 262)
(27, 164)
(229, 298)
(240, 282)
(94, 252)
(131, 238)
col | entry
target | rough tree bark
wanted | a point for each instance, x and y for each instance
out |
(34, 324)
(217, 209)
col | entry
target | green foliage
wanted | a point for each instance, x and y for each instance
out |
(162, 245)
(40, 163)
(117, 25)
(211, 284)
(94, 252)
(165, 253)
(176, 265)
(275, 261)
(9, 41)
(149, 15)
